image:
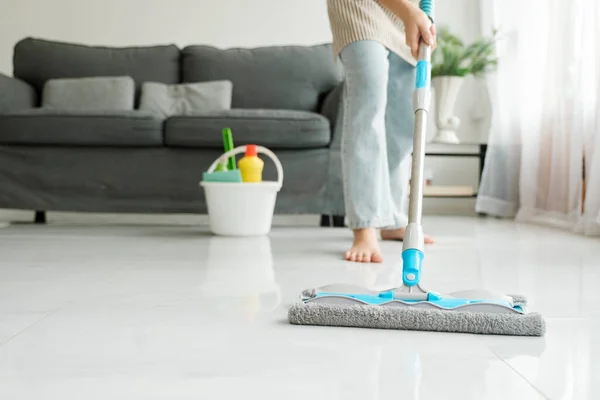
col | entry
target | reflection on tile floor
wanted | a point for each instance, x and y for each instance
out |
(170, 312)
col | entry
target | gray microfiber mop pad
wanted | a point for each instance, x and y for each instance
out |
(365, 316)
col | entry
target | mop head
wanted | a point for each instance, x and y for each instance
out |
(483, 318)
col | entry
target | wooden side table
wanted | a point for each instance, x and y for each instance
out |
(477, 150)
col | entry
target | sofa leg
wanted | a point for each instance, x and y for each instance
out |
(335, 221)
(40, 217)
(339, 221)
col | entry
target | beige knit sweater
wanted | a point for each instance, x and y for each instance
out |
(354, 20)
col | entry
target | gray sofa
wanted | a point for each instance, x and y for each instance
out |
(285, 98)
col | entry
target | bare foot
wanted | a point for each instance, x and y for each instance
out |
(365, 247)
(398, 234)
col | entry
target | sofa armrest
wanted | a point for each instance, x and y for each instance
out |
(16, 94)
(331, 109)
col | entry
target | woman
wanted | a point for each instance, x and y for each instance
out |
(377, 42)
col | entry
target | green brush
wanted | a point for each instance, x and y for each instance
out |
(228, 144)
(225, 172)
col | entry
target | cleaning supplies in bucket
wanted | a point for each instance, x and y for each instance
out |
(242, 208)
(225, 170)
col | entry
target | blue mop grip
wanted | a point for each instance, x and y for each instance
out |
(427, 7)
(411, 268)
(424, 66)
(423, 74)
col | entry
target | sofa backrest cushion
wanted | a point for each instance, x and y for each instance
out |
(36, 61)
(277, 77)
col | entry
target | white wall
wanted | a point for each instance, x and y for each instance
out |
(463, 18)
(141, 22)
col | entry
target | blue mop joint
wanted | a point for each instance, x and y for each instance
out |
(410, 307)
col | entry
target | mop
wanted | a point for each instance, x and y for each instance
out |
(410, 307)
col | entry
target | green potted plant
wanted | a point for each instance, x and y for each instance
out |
(451, 63)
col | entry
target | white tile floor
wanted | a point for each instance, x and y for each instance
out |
(90, 311)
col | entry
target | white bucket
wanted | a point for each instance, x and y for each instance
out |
(242, 209)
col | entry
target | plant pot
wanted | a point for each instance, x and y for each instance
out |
(446, 93)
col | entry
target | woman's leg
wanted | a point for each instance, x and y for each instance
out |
(399, 123)
(365, 167)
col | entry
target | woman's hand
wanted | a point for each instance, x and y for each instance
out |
(417, 24)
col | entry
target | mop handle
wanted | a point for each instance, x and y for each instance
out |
(421, 100)
(414, 241)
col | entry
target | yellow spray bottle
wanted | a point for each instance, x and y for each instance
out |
(251, 166)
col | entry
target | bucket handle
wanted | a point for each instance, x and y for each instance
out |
(259, 149)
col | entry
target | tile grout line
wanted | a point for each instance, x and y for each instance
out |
(520, 375)
(52, 312)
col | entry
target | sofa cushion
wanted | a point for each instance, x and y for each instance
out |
(276, 129)
(90, 94)
(76, 128)
(278, 77)
(185, 99)
(36, 61)
(16, 94)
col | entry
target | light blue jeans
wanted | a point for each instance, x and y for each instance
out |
(376, 124)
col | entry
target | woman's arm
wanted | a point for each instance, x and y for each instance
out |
(416, 23)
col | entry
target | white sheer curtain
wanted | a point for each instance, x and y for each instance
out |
(545, 99)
